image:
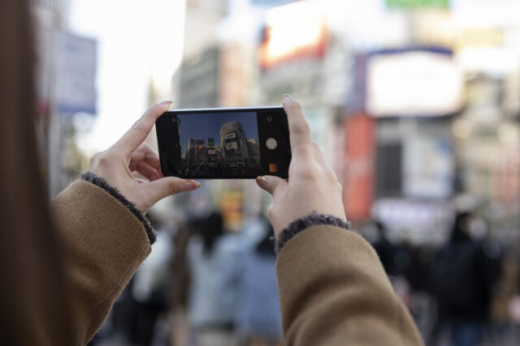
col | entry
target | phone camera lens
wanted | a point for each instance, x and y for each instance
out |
(269, 119)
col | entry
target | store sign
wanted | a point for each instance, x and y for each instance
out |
(411, 82)
(230, 135)
(359, 169)
(77, 65)
(418, 3)
(292, 32)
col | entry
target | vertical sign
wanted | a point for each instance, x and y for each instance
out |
(77, 74)
(359, 174)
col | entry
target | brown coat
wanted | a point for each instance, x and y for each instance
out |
(333, 289)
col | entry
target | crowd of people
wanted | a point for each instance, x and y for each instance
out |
(202, 285)
(215, 287)
(460, 293)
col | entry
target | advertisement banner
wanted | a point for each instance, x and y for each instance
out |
(359, 169)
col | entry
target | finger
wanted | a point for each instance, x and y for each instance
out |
(151, 156)
(299, 130)
(134, 137)
(318, 155)
(169, 186)
(270, 183)
(147, 171)
(320, 159)
(147, 154)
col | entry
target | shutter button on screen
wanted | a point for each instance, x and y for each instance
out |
(271, 143)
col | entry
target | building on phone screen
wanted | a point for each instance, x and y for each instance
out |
(233, 140)
(254, 149)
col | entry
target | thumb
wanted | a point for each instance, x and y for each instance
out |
(169, 186)
(270, 183)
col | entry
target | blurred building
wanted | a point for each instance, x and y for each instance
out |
(410, 114)
(65, 72)
(199, 80)
(196, 83)
(235, 149)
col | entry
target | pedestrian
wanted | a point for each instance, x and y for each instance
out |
(462, 278)
(258, 313)
(215, 260)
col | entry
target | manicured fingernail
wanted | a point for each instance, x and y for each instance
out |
(166, 103)
(190, 185)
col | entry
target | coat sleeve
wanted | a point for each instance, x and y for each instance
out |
(103, 245)
(334, 291)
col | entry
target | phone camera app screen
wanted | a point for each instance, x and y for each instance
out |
(223, 144)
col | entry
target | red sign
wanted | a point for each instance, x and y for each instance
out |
(359, 171)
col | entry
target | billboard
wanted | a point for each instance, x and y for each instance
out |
(295, 31)
(413, 82)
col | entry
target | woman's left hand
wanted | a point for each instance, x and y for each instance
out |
(131, 154)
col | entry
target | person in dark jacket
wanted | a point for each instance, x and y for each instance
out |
(462, 279)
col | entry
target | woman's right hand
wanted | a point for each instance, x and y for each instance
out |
(312, 186)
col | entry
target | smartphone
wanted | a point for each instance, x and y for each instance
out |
(224, 143)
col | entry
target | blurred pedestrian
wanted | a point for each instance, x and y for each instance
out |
(215, 260)
(384, 248)
(462, 278)
(152, 283)
(258, 315)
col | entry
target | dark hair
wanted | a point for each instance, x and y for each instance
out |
(33, 293)
(459, 232)
(211, 228)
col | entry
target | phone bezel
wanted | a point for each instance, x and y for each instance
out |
(264, 153)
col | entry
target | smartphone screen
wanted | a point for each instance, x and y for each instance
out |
(226, 143)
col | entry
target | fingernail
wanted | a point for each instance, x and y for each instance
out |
(262, 182)
(287, 96)
(190, 185)
(166, 103)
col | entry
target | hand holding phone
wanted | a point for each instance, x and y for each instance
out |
(224, 143)
(312, 186)
(131, 154)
